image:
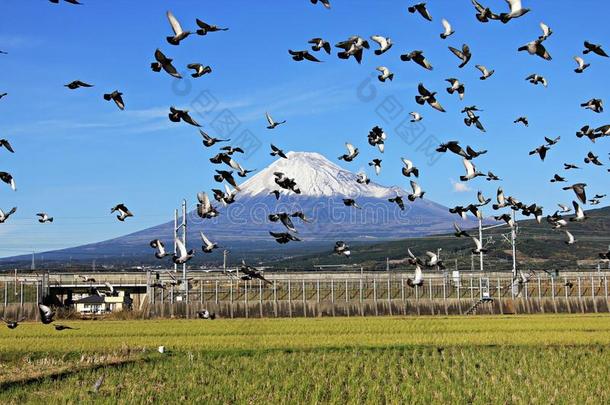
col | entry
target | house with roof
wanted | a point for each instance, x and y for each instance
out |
(101, 304)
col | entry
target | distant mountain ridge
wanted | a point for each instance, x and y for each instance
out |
(243, 227)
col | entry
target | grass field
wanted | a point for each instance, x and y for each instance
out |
(517, 359)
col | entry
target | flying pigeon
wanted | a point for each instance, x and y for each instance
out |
(179, 33)
(541, 151)
(482, 200)
(425, 96)
(353, 46)
(204, 28)
(516, 11)
(273, 124)
(12, 324)
(342, 249)
(558, 179)
(362, 179)
(176, 115)
(486, 74)
(595, 48)
(595, 105)
(284, 218)
(421, 9)
(581, 64)
(417, 192)
(484, 14)
(250, 273)
(299, 56)
(579, 214)
(117, 97)
(418, 278)
(76, 2)
(44, 218)
(384, 44)
(160, 248)
(473, 119)
(283, 237)
(77, 84)
(275, 151)
(165, 63)
(46, 314)
(417, 57)
(593, 159)
(199, 69)
(351, 153)
(579, 190)
(464, 55)
(350, 202)
(318, 44)
(471, 170)
(399, 201)
(207, 246)
(209, 141)
(223, 175)
(124, 213)
(415, 116)
(409, 169)
(536, 48)
(325, 3)
(385, 74)
(205, 209)
(459, 232)
(4, 143)
(492, 177)
(568, 166)
(478, 246)
(376, 163)
(456, 86)
(522, 120)
(536, 79)
(447, 30)
(181, 256)
(5, 215)
(8, 179)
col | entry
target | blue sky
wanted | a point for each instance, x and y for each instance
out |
(78, 155)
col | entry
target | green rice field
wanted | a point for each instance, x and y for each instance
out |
(398, 360)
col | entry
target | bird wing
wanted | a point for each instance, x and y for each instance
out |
(181, 249)
(477, 243)
(416, 188)
(205, 136)
(447, 26)
(350, 148)
(408, 163)
(174, 23)
(515, 5)
(469, 166)
(45, 310)
(457, 52)
(417, 279)
(204, 239)
(580, 61)
(382, 41)
(269, 119)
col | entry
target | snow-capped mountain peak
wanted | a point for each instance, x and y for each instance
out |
(316, 176)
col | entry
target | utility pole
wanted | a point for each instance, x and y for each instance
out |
(481, 239)
(513, 240)
(184, 278)
(33, 266)
(175, 236)
(224, 261)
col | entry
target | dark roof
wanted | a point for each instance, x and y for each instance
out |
(92, 299)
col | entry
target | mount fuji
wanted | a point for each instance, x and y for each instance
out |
(243, 227)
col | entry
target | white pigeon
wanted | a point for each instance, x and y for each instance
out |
(570, 237)
(516, 11)
(272, 123)
(448, 30)
(362, 179)
(351, 153)
(581, 64)
(415, 116)
(384, 44)
(417, 192)
(181, 256)
(208, 246)
(409, 168)
(418, 278)
(179, 33)
(471, 170)
(546, 31)
(385, 74)
(579, 213)
(478, 246)
(204, 207)
(485, 72)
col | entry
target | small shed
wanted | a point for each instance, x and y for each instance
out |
(100, 304)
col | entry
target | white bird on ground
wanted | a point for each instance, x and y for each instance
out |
(207, 246)
(272, 123)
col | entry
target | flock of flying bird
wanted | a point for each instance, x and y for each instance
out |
(355, 46)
